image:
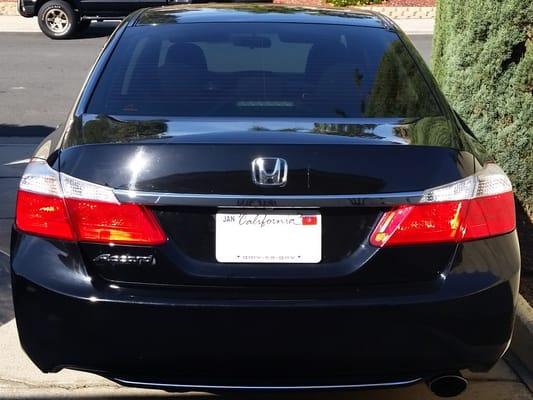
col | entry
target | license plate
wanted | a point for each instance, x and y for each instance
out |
(248, 237)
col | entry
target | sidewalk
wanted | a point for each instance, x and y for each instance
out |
(16, 23)
(423, 26)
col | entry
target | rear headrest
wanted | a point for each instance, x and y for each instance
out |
(322, 56)
(187, 53)
(341, 87)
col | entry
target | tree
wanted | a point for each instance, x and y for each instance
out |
(483, 60)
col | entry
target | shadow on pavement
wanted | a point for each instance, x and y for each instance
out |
(8, 130)
(6, 302)
(97, 29)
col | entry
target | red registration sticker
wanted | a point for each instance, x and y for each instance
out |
(309, 220)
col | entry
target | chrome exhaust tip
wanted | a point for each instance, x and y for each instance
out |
(448, 385)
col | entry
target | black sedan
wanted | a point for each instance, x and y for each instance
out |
(260, 197)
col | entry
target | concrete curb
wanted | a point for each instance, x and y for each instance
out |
(522, 343)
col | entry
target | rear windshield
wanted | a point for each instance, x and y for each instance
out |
(262, 70)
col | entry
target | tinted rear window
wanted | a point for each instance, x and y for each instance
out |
(262, 70)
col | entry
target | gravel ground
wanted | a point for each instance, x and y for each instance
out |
(524, 224)
(8, 8)
(408, 3)
(526, 286)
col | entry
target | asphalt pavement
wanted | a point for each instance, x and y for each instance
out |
(39, 80)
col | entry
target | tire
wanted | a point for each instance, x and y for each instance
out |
(83, 25)
(57, 19)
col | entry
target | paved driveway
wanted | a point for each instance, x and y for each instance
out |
(39, 80)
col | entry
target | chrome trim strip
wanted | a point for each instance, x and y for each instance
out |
(251, 201)
(223, 387)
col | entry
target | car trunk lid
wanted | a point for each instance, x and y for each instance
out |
(348, 174)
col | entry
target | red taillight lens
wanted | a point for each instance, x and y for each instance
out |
(476, 207)
(96, 221)
(43, 215)
(490, 216)
(424, 223)
(452, 221)
(66, 208)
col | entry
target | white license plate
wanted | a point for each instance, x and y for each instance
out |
(249, 237)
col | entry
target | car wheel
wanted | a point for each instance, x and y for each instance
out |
(83, 25)
(57, 19)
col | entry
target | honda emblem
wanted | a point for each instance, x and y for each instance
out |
(269, 171)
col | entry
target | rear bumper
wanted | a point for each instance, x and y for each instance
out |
(178, 338)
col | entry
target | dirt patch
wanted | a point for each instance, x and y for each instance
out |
(526, 286)
(524, 226)
(8, 8)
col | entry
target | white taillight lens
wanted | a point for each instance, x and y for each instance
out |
(489, 181)
(74, 188)
(38, 177)
(63, 207)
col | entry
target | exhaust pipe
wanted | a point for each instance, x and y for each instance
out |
(448, 385)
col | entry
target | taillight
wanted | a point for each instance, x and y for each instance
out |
(114, 223)
(476, 207)
(43, 215)
(63, 207)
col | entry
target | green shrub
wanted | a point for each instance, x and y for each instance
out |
(483, 60)
(345, 3)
